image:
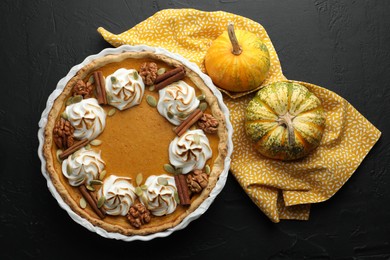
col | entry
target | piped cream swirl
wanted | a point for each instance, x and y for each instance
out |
(177, 101)
(119, 195)
(87, 117)
(190, 151)
(159, 197)
(82, 166)
(125, 88)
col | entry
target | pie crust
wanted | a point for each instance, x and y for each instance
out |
(69, 195)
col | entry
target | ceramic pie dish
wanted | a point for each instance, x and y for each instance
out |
(125, 154)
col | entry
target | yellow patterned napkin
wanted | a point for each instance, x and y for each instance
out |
(282, 190)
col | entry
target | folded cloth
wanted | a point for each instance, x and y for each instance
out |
(282, 190)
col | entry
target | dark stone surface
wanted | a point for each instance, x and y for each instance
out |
(341, 45)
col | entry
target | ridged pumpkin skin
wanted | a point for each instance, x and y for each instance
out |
(282, 108)
(237, 73)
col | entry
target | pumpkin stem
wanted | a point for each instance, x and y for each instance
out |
(286, 120)
(233, 39)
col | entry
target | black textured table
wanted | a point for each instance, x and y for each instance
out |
(341, 45)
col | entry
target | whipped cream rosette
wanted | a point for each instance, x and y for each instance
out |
(190, 151)
(87, 117)
(119, 195)
(177, 101)
(124, 88)
(82, 166)
(159, 197)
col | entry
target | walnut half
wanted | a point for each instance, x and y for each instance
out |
(63, 134)
(138, 215)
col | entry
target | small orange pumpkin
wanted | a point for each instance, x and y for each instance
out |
(237, 61)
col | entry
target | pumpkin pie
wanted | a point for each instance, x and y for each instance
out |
(135, 142)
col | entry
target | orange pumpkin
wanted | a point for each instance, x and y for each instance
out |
(237, 61)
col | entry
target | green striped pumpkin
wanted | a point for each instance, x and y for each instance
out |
(285, 121)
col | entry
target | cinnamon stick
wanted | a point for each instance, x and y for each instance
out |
(73, 148)
(192, 115)
(182, 189)
(178, 186)
(186, 124)
(175, 77)
(96, 202)
(89, 198)
(168, 74)
(100, 86)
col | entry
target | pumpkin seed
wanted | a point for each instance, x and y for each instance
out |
(88, 147)
(114, 80)
(201, 97)
(101, 201)
(207, 169)
(111, 112)
(151, 88)
(162, 181)
(138, 191)
(102, 175)
(58, 152)
(178, 171)
(170, 115)
(77, 99)
(169, 168)
(135, 75)
(83, 203)
(182, 115)
(161, 71)
(144, 187)
(89, 187)
(69, 101)
(176, 196)
(203, 106)
(138, 179)
(96, 182)
(96, 142)
(64, 115)
(151, 101)
(91, 79)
